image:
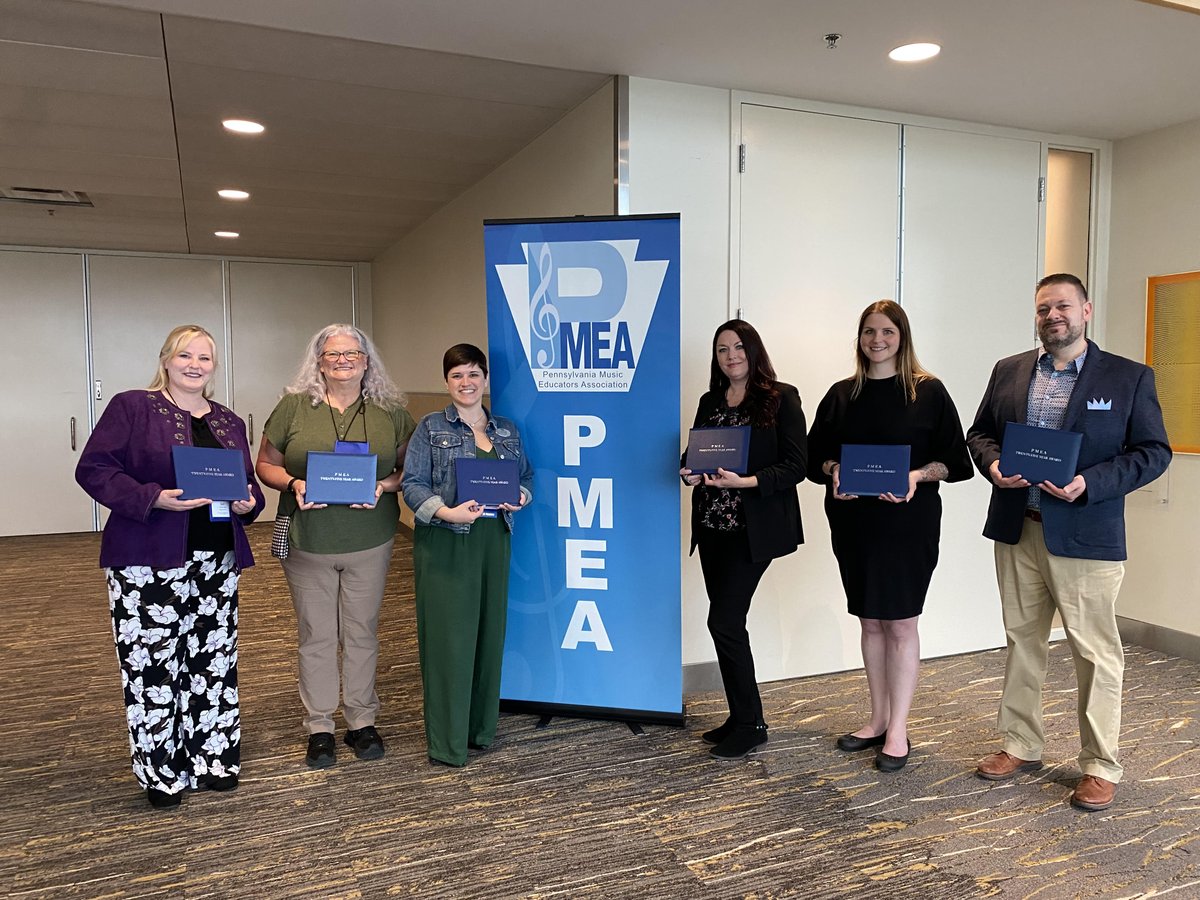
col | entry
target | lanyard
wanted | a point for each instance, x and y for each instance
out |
(361, 407)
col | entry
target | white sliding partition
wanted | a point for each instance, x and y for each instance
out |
(45, 406)
(970, 263)
(817, 241)
(275, 308)
(136, 301)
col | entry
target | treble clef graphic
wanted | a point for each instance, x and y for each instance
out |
(543, 314)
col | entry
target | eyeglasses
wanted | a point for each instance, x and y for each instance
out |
(331, 356)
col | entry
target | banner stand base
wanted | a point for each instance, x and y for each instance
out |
(634, 718)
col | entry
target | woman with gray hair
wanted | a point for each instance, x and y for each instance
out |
(336, 557)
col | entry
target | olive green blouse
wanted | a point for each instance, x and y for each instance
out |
(296, 427)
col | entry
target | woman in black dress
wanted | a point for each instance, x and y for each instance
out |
(742, 522)
(887, 547)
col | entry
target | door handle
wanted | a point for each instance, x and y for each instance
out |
(250, 416)
(72, 432)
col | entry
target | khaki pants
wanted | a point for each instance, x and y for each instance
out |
(337, 597)
(1033, 584)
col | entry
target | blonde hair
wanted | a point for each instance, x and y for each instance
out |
(376, 385)
(180, 337)
(908, 367)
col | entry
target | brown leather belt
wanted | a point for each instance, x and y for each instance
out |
(1034, 514)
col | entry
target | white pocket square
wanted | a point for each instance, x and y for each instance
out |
(1099, 404)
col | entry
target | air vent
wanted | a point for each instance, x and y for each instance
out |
(44, 196)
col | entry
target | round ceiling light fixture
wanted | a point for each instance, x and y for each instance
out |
(915, 52)
(233, 194)
(243, 126)
(225, 234)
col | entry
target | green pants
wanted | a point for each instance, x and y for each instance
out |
(462, 607)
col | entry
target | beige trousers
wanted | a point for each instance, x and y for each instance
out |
(337, 597)
(1033, 584)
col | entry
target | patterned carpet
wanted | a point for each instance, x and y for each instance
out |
(576, 809)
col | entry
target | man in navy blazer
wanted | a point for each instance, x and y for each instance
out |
(1062, 547)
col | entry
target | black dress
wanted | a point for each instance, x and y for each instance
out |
(887, 552)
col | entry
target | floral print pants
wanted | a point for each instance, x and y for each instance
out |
(176, 637)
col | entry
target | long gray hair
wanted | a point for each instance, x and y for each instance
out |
(377, 386)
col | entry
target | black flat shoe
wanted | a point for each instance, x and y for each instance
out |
(718, 734)
(885, 762)
(162, 800)
(851, 743)
(221, 784)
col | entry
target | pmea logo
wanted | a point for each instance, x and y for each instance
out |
(582, 309)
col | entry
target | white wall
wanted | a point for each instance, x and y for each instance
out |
(428, 289)
(679, 162)
(1154, 231)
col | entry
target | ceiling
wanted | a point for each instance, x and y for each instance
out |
(381, 111)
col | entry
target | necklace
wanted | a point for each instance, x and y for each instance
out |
(171, 397)
(482, 420)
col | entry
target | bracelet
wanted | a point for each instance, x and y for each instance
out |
(288, 489)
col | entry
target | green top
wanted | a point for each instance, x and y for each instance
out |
(296, 427)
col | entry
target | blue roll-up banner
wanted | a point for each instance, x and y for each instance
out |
(583, 334)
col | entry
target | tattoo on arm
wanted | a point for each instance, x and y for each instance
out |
(935, 471)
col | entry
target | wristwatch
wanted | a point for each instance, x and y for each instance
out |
(290, 483)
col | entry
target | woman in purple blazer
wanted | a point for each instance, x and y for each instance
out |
(172, 567)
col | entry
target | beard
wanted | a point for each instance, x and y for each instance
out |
(1066, 339)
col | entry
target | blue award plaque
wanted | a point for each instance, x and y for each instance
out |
(489, 482)
(1040, 454)
(710, 449)
(209, 472)
(340, 479)
(868, 470)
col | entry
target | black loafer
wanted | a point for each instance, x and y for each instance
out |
(321, 753)
(365, 742)
(851, 743)
(885, 762)
(718, 734)
(162, 800)
(221, 784)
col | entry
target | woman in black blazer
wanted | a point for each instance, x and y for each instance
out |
(741, 522)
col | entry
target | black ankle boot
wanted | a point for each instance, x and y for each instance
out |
(718, 734)
(740, 742)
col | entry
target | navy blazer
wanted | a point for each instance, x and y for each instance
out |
(1124, 447)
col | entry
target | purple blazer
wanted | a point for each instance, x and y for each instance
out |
(127, 462)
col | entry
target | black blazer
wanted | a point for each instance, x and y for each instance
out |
(779, 457)
(1115, 407)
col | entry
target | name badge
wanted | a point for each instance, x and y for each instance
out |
(218, 511)
(351, 447)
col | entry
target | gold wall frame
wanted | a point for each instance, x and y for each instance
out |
(1173, 351)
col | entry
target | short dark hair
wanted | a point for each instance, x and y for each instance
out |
(463, 355)
(1063, 278)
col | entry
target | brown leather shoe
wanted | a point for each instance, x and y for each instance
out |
(1003, 765)
(1093, 793)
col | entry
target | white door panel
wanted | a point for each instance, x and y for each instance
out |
(275, 309)
(819, 222)
(970, 263)
(44, 370)
(135, 302)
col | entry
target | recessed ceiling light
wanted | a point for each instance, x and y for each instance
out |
(225, 234)
(915, 52)
(233, 194)
(243, 126)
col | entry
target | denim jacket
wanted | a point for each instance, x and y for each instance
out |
(441, 438)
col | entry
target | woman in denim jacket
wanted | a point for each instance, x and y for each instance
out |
(460, 561)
